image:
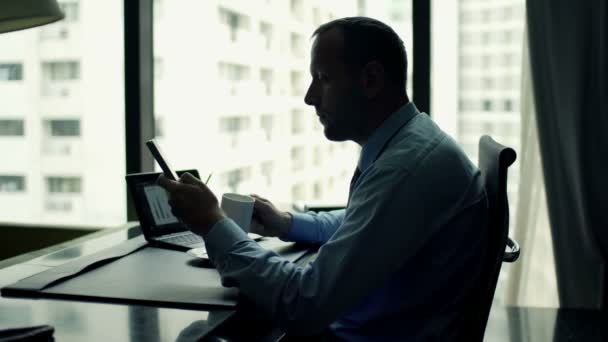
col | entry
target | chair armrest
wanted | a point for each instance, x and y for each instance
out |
(512, 251)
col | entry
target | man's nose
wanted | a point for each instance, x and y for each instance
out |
(310, 98)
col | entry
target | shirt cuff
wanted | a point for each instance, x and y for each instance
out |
(222, 237)
(302, 228)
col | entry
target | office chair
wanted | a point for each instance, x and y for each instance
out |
(494, 160)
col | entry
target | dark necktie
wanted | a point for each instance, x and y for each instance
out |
(353, 181)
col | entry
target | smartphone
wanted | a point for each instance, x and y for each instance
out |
(164, 165)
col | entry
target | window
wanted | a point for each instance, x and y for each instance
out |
(61, 71)
(317, 190)
(297, 83)
(159, 126)
(62, 128)
(487, 77)
(267, 169)
(63, 185)
(11, 127)
(298, 192)
(487, 105)
(297, 9)
(318, 156)
(267, 124)
(233, 72)
(71, 11)
(234, 124)
(11, 72)
(297, 121)
(254, 115)
(69, 76)
(297, 45)
(159, 69)
(12, 183)
(267, 77)
(297, 158)
(232, 179)
(234, 21)
(266, 32)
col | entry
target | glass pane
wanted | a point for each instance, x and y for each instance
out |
(476, 68)
(62, 119)
(230, 97)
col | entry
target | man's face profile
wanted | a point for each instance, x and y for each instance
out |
(334, 90)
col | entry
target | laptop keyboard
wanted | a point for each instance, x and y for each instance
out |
(184, 239)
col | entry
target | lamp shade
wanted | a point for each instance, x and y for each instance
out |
(21, 14)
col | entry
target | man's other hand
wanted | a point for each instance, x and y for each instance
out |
(268, 220)
(192, 202)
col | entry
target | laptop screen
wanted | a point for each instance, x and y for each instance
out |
(158, 201)
(152, 205)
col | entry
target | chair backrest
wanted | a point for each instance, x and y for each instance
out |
(494, 160)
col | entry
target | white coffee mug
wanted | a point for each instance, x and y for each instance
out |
(239, 208)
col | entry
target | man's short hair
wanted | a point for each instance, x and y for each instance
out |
(367, 39)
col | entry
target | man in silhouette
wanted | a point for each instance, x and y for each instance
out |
(398, 261)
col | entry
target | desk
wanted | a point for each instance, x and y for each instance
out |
(84, 321)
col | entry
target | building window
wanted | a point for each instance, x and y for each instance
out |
(232, 179)
(487, 105)
(11, 128)
(297, 83)
(234, 124)
(508, 105)
(266, 171)
(267, 123)
(318, 156)
(159, 126)
(297, 158)
(62, 128)
(71, 10)
(267, 77)
(159, 68)
(266, 32)
(234, 21)
(12, 183)
(297, 9)
(297, 45)
(11, 72)
(317, 190)
(297, 121)
(233, 72)
(63, 185)
(297, 192)
(61, 71)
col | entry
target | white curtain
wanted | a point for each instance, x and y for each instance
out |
(531, 280)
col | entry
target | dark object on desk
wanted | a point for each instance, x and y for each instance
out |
(494, 160)
(39, 333)
(158, 224)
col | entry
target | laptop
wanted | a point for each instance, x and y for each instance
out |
(158, 224)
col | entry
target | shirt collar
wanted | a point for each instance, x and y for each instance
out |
(382, 134)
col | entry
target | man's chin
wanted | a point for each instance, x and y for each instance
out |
(332, 135)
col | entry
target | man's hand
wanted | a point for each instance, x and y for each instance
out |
(192, 202)
(268, 220)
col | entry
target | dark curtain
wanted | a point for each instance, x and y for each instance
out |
(567, 42)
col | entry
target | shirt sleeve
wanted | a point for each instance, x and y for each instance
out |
(386, 225)
(314, 228)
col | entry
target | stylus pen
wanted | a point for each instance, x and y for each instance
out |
(208, 178)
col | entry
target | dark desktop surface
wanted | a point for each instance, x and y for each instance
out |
(88, 321)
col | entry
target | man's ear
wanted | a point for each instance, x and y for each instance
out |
(373, 79)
